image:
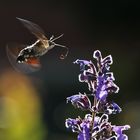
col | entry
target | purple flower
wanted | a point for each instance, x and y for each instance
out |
(106, 131)
(80, 101)
(100, 84)
(88, 74)
(83, 64)
(108, 108)
(84, 134)
(89, 78)
(99, 79)
(102, 130)
(118, 131)
(73, 124)
(105, 85)
(102, 64)
(82, 127)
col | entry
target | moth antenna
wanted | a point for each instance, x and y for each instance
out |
(51, 39)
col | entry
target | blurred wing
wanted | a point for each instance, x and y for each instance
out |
(12, 53)
(15, 48)
(34, 29)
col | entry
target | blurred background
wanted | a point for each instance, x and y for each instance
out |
(33, 106)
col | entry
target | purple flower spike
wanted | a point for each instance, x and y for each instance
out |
(80, 101)
(100, 81)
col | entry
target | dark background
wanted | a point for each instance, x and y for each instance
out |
(113, 27)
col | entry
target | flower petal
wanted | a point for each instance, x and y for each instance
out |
(73, 124)
(119, 131)
(80, 101)
(108, 108)
(82, 63)
(85, 133)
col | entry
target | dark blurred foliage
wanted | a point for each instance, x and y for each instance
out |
(110, 26)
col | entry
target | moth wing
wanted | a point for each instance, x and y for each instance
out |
(33, 28)
(15, 48)
(12, 50)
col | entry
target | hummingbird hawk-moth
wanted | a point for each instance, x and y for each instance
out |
(27, 58)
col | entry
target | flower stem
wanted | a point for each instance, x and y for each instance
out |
(94, 112)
